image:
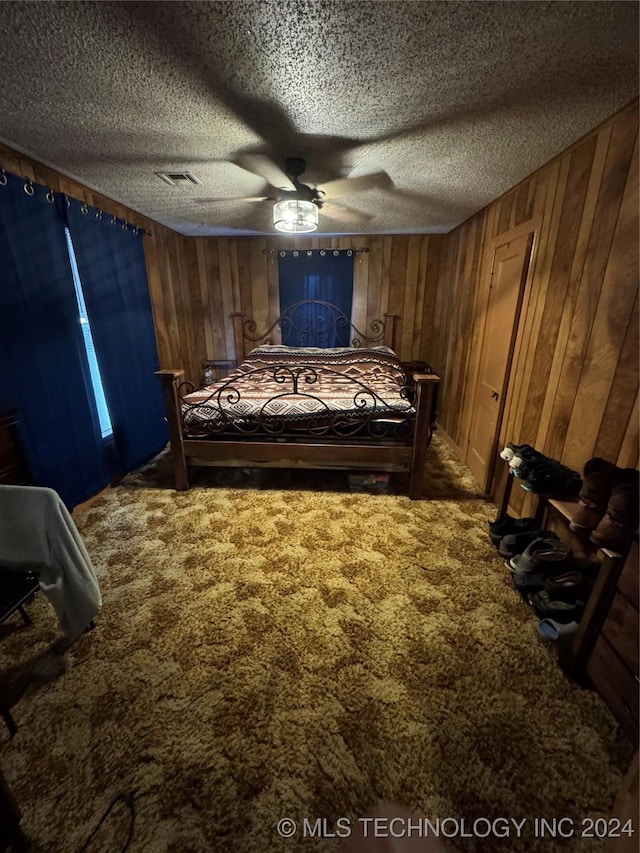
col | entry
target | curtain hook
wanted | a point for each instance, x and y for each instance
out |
(50, 196)
(84, 208)
(113, 220)
(28, 187)
(3, 177)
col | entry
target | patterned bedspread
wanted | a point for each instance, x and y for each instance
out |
(282, 389)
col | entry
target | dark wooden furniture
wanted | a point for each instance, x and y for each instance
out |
(604, 650)
(606, 647)
(328, 451)
(16, 589)
(12, 838)
(14, 470)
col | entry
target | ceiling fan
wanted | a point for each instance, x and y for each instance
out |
(295, 204)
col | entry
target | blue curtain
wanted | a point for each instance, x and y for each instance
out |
(43, 365)
(110, 257)
(328, 278)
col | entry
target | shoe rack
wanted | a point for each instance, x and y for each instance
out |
(603, 652)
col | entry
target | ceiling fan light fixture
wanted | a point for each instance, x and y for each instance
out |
(295, 216)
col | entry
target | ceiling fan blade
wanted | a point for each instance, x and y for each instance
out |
(233, 199)
(344, 214)
(260, 164)
(346, 186)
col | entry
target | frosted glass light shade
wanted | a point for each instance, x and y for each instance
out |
(294, 216)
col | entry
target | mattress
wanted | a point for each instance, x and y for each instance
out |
(283, 390)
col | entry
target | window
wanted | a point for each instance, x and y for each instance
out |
(106, 429)
(324, 277)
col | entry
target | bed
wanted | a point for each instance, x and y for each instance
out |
(356, 408)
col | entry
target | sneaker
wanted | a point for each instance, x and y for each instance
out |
(531, 581)
(554, 479)
(541, 552)
(506, 525)
(568, 586)
(551, 608)
(515, 543)
(528, 454)
(510, 450)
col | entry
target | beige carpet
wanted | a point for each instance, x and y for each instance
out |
(278, 647)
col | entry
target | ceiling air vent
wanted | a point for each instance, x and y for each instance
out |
(178, 179)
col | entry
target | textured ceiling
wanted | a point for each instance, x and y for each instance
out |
(456, 102)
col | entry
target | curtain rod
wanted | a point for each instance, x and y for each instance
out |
(309, 252)
(50, 196)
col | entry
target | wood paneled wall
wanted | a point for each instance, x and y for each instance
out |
(573, 386)
(208, 278)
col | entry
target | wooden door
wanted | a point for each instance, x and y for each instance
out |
(508, 273)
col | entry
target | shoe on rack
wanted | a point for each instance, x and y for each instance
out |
(568, 586)
(540, 553)
(552, 630)
(551, 608)
(620, 521)
(526, 454)
(510, 450)
(525, 582)
(554, 479)
(594, 494)
(506, 525)
(515, 543)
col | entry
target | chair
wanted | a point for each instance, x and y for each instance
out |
(16, 589)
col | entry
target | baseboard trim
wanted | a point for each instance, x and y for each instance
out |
(444, 434)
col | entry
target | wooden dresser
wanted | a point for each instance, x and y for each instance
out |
(14, 470)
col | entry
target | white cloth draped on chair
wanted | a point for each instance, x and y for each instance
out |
(36, 530)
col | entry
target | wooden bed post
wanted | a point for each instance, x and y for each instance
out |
(390, 331)
(170, 379)
(238, 336)
(426, 384)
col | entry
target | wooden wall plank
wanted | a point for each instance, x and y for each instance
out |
(228, 290)
(409, 299)
(618, 295)
(397, 276)
(584, 234)
(374, 273)
(605, 217)
(628, 455)
(624, 386)
(572, 205)
(361, 268)
(420, 295)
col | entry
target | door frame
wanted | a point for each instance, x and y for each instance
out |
(531, 228)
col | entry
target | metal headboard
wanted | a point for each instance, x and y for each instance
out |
(316, 333)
